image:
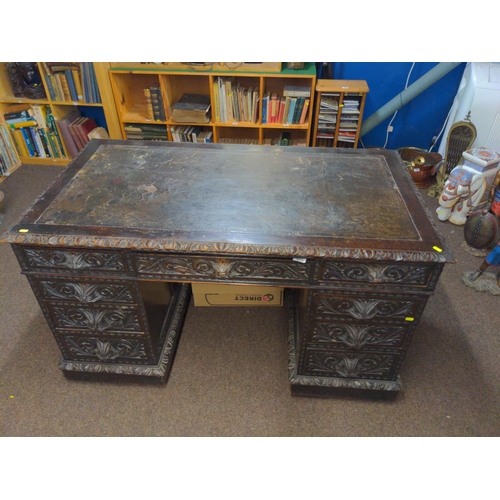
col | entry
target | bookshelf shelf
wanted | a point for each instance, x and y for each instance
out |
(55, 153)
(339, 112)
(135, 106)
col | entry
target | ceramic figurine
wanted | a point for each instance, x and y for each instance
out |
(467, 186)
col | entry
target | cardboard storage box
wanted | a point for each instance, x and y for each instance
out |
(236, 295)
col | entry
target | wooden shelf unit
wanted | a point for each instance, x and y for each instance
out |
(340, 126)
(128, 85)
(60, 108)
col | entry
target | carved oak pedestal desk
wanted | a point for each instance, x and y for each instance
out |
(110, 250)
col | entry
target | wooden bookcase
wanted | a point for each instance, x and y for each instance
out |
(60, 108)
(128, 84)
(339, 112)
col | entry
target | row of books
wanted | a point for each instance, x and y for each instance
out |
(328, 143)
(8, 154)
(235, 103)
(78, 131)
(329, 114)
(34, 131)
(285, 109)
(146, 132)
(154, 103)
(72, 82)
(186, 133)
(280, 142)
(227, 140)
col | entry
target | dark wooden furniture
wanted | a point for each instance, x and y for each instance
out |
(111, 247)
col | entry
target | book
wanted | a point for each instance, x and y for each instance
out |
(19, 142)
(54, 133)
(98, 133)
(67, 138)
(83, 127)
(149, 103)
(265, 101)
(71, 85)
(305, 110)
(216, 101)
(291, 109)
(77, 79)
(296, 91)
(298, 109)
(157, 103)
(192, 108)
(74, 132)
(40, 114)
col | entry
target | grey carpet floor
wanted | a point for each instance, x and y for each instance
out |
(230, 373)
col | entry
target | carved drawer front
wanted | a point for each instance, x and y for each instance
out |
(45, 259)
(96, 319)
(86, 291)
(104, 349)
(350, 364)
(368, 308)
(199, 268)
(415, 275)
(356, 336)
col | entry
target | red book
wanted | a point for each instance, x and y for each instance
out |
(305, 109)
(76, 137)
(274, 106)
(282, 110)
(84, 127)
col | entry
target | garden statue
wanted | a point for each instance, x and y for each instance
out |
(467, 186)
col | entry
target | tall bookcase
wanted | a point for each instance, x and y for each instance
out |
(128, 85)
(61, 108)
(339, 112)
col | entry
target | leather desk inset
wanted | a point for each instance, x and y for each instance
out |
(130, 222)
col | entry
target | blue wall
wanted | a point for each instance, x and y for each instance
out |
(421, 119)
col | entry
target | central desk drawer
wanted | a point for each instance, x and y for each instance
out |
(208, 268)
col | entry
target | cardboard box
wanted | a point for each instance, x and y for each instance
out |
(236, 295)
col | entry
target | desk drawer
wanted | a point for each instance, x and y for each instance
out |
(349, 364)
(85, 291)
(356, 336)
(96, 319)
(381, 274)
(47, 259)
(207, 268)
(104, 349)
(368, 308)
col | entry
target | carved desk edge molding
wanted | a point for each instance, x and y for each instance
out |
(226, 248)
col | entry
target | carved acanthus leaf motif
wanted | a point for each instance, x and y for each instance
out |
(97, 320)
(355, 365)
(86, 292)
(358, 336)
(68, 259)
(220, 268)
(377, 273)
(106, 350)
(365, 308)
